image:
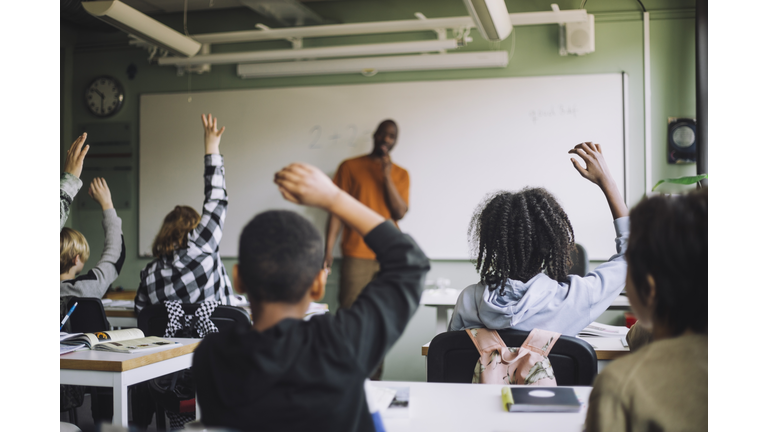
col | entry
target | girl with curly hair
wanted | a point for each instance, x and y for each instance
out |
(522, 243)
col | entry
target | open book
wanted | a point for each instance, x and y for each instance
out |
(122, 341)
(604, 330)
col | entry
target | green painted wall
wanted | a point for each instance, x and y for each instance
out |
(619, 47)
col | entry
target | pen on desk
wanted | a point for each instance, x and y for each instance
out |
(68, 314)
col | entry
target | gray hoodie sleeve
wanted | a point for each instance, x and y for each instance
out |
(68, 187)
(97, 280)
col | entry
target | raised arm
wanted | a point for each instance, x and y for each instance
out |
(70, 183)
(208, 233)
(597, 172)
(379, 316)
(97, 280)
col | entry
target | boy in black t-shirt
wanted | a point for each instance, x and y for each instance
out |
(288, 374)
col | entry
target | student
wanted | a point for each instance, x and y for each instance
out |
(524, 241)
(70, 182)
(187, 265)
(74, 251)
(292, 375)
(662, 386)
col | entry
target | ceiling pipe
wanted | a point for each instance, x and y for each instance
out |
(430, 24)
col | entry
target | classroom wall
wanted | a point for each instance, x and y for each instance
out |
(619, 47)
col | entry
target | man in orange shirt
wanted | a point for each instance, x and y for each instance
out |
(381, 185)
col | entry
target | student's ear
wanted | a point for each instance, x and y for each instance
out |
(317, 290)
(237, 283)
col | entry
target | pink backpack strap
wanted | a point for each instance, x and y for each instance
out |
(485, 340)
(540, 341)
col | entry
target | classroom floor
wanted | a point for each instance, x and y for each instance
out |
(85, 419)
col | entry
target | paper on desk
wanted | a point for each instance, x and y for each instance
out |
(64, 349)
(604, 330)
(128, 304)
(378, 398)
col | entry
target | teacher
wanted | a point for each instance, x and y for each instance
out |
(381, 185)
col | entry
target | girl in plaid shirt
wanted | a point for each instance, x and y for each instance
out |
(187, 265)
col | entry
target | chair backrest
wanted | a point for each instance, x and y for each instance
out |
(153, 319)
(580, 261)
(88, 317)
(452, 357)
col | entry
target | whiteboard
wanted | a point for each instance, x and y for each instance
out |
(458, 139)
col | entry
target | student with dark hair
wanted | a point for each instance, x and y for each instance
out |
(288, 374)
(662, 386)
(523, 242)
(187, 266)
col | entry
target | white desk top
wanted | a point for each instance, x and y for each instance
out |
(474, 407)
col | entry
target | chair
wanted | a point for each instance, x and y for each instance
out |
(580, 261)
(153, 320)
(452, 357)
(89, 315)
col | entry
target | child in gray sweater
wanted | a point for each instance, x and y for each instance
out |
(74, 251)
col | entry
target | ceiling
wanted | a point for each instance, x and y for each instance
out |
(165, 6)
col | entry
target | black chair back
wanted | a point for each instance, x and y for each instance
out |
(153, 319)
(580, 261)
(452, 357)
(88, 316)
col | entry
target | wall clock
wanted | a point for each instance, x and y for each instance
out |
(104, 96)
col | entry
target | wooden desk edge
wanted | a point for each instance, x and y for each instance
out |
(125, 365)
(121, 313)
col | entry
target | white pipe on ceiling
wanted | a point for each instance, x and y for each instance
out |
(321, 52)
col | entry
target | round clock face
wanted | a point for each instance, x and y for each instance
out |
(104, 96)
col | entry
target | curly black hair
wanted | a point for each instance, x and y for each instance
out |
(517, 235)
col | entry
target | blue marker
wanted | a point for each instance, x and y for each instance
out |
(67, 317)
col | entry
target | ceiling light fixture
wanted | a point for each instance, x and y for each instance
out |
(369, 66)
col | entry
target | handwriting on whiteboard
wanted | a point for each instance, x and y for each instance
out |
(552, 111)
(319, 138)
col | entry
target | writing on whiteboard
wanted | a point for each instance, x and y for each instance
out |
(332, 137)
(552, 111)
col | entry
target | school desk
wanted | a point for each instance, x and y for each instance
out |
(474, 407)
(444, 300)
(116, 370)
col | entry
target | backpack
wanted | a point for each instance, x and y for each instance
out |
(526, 365)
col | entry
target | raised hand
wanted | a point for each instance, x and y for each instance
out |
(597, 172)
(99, 191)
(597, 169)
(305, 184)
(212, 134)
(73, 164)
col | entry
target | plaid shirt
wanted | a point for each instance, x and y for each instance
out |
(195, 274)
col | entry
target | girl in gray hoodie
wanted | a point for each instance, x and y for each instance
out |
(523, 242)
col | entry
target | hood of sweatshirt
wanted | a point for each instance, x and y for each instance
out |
(519, 302)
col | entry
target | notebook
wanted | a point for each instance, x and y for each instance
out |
(540, 399)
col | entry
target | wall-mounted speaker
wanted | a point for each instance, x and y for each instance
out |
(580, 36)
(681, 140)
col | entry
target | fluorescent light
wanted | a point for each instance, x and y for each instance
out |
(372, 65)
(136, 23)
(322, 52)
(526, 18)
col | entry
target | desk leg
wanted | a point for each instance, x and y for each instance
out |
(119, 401)
(443, 313)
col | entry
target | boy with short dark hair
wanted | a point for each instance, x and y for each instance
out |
(289, 374)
